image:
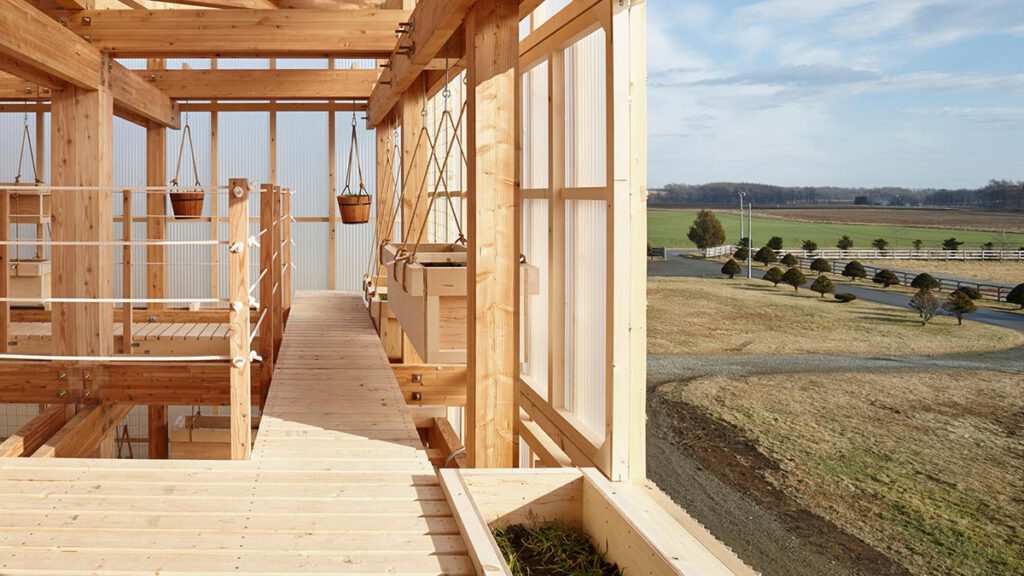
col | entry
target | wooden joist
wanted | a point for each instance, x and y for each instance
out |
(82, 435)
(234, 33)
(264, 84)
(435, 23)
(432, 384)
(31, 436)
(140, 101)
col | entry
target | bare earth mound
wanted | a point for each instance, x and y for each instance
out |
(926, 468)
(720, 316)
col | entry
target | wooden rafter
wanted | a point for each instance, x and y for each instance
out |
(436, 21)
(233, 33)
(246, 4)
(82, 435)
(264, 84)
(31, 436)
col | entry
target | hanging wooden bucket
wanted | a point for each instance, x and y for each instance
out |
(355, 208)
(188, 204)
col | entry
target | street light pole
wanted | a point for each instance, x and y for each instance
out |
(742, 194)
(750, 239)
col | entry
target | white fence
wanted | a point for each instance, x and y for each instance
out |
(717, 251)
(895, 254)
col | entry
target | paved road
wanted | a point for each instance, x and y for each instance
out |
(678, 264)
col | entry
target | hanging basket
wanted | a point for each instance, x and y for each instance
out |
(187, 203)
(355, 208)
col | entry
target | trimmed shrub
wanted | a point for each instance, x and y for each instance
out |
(855, 270)
(822, 285)
(790, 260)
(809, 245)
(844, 243)
(1016, 296)
(917, 244)
(821, 265)
(706, 231)
(886, 278)
(924, 281)
(795, 278)
(742, 254)
(775, 243)
(731, 269)
(745, 242)
(951, 244)
(879, 243)
(773, 275)
(766, 256)
(845, 297)
(926, 304)
(970, 291)
(958, 304)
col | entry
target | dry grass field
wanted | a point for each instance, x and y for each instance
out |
(919, 217)
(927, 468)
(721, 316)
(1011, 273)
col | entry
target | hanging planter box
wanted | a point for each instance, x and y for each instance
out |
(29, 206)
(428, 297)
(187, 204)
(629, 523)
(30, 279)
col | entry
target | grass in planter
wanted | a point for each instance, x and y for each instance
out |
(551, 550)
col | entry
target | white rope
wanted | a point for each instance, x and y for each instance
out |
(118, 189)
(116, 300)
(112, 242)
(256, 328)
(33, 357)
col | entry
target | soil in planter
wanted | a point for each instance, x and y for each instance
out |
(551, 550)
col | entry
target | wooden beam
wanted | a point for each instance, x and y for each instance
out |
(347, 84)
(150, 383)
(15, 88)
(432, 384)
(492, 257)
(435, 23)
(233, 33)
(31, 436)
(133, 96)
(37, 45)
(442, 437)
(245, 4)
(82, 435)
(240, 408)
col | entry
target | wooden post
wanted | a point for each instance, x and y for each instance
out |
(492, 56)
(82, 155)
(276, 250)
(40, 167)
(214, 199)
(156, 207)
(415, 156)
(5, 270)
(266, 289)
(286, 252)
(384, 197)
(126, 273)
(157, 432)
(238, 296)
(332, 192)
(556, 230)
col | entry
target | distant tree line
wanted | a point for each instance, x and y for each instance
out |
(999, 195)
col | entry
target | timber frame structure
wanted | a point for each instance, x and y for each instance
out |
(492, 370)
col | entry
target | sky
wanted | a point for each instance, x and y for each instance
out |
(914, 93)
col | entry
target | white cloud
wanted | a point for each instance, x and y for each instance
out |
(999, 117)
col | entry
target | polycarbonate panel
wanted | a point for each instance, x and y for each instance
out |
(302, 161)
(546, 10)
(586, 311)
(585, 113)
(535, 125)
(446, 170)
(535, 317)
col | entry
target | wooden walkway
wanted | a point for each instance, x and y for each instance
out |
(157, 338)
(338, 482)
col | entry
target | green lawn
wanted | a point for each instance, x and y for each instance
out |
(669, 227)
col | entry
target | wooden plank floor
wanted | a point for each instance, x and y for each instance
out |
(156, 338)
(338, 482)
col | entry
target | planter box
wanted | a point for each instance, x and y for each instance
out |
(428, 297)
(388, 328)
(203, 437)
(30, 279)
(626, 523)
(29, 207)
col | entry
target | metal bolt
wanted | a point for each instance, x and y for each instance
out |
(62, 393)
(417, 397)
(237, 191)
(87, 376)
(238, 362)
(87, 20)
(62, 376)
(87, 38)
(417, 378)
(87, 394)
(235, 248)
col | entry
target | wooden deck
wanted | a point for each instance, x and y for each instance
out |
(154, 338)
(338, 482)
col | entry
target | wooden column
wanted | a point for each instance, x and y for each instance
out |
(267, 299)
(82, 155)
(238, 296)
(5, 270)
(156, 256)
(492, 55)
(157, 432)
(332, 204)
(276, 269)
(286, 253)
(415, 156)
(214, 199)
(126, 272)
(40, 170)
(384, 201)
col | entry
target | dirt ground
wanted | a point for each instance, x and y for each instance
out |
(928, 218)
(736, 317)
(1010, 273)
(818, 475)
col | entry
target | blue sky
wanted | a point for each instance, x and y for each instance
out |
(916, 93)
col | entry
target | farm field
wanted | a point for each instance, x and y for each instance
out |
(917, 217)
(1011, 273)
(947, 502)
(739, 317)
(668, 227)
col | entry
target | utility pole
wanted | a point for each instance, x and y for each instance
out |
(750, 239)
(742, 194)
